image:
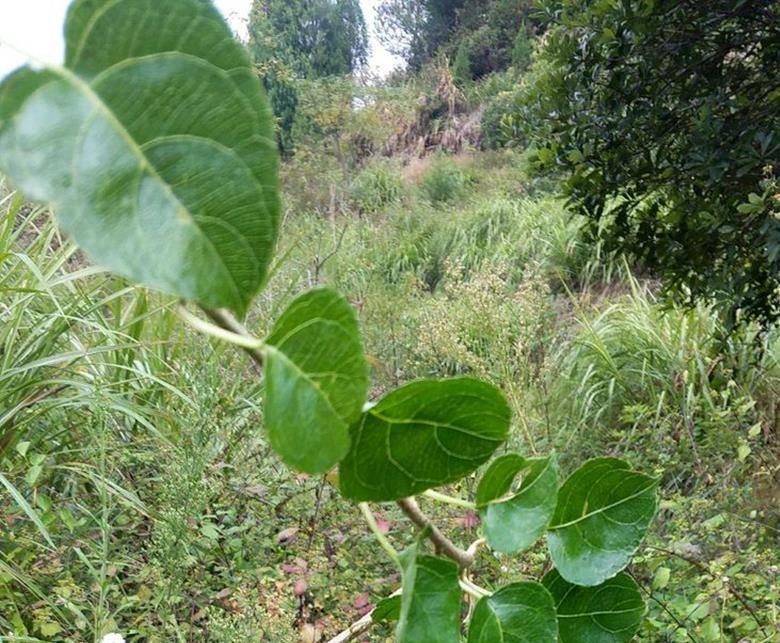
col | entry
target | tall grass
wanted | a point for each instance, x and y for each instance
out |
(641, 379)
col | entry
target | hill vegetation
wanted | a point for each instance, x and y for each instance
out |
(515, 206)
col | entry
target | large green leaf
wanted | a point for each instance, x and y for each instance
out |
(423, 435)
(608, 613)
(512, 522)
(430, 603)
(316, 380)
(603, 512)
(518, 613)
(154, 145)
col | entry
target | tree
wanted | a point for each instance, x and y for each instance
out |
(304, 40)
(182, 195)
(664, 119)
(482, 32)
(403, 30)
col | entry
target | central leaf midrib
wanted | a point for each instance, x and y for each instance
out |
(146, 165)
(606, 507)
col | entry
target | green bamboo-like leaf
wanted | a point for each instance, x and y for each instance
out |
(512, 522)
(608, 613)
(423, 435)
(316, 380)
(603, 512)
(518, 613)
(430, 603)
(154, 145)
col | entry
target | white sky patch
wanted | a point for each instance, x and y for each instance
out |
(32, 29)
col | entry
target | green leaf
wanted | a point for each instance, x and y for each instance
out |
(22, 448)
(387, 610)
(154, 145)
(518, 613)
(316, 380)
(430, 603)
(609, 613)
(512, 522)
(661, 578)
(603, 512)
(423, 435)
(33, 473)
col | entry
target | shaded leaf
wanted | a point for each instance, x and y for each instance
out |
(154, 145)
(423, 435)
(387, 610)
(316, 380)
(518, 613)
(514, 521)
(603, 512)
(430, 603)
(608, 613)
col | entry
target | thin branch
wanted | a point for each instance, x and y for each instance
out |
(443, 544)
(472, 550)
(449, 500)
(729, 587)
(381, 538)
(358, 627)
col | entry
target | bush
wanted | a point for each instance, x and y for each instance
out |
(377, 187)
(667, 106)
(444, 182)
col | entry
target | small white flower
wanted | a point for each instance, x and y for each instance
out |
(113, 638)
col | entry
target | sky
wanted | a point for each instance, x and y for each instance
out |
(33, 28)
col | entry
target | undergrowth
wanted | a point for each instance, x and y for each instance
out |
(142, 497)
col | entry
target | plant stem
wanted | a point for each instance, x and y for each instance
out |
(471, 589)
(449, 500)
(472, 550)
(226, 328)
(381, 538)
(441, 542)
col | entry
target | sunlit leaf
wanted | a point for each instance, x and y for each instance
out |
(603, 512)
(154, 145)
(423, 435)
(518, 613)
(513, 521)
(316, 380)
(608, 613)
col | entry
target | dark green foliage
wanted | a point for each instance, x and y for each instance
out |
(517, 613)
(609, 613)
(514, 519)
(603, 512)
(295, 40)
(404, 444)
(664, 118)
(478, 35)
(430, 604)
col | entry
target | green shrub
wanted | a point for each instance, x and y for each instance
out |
(444, 182)
(377, 187)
